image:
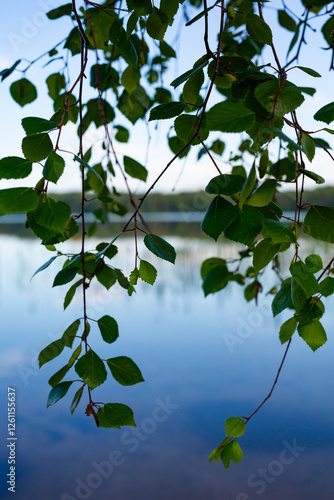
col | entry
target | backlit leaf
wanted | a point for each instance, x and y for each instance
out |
(91, 369)
(147, 272)
(17, 200)
(50, 352)
(134, 168)
(166, 110)
(313, 333)
(14, 167)
(287, 330)
(229, 117)
(33, 125)
(258, 29)
(235, 427)
(54, 167)
(325, 114)
(36, 147)
(319, 223)
(23, 92)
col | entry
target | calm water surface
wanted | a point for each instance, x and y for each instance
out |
(203, 360)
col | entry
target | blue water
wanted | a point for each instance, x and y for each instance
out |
(203, 360)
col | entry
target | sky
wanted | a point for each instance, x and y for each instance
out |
(30, 33)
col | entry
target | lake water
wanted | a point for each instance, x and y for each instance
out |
(203, 359)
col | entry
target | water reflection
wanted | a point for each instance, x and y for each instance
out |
(203, 360)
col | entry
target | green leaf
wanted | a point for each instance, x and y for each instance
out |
(108, 328)
(63, 10)
(308, 146)
(231, 451)
(85, 164)
(157, 24)
(134, 169)
(312, 309)
(325, 114)
(76, 399)
(263, 194)
(130, 78)
(225, 184)
(192, 87)
(185, 127)
(33, 125)
(247, 187)
(98, 28)
(53, 214)
(326, 287)
(58, 392)
(91, 369)
(75, 356)
(17, 200)
(298, 295)
(44, 266)
(229, 117)
(14, 167)
(23, 92)
(133, 278)
(282, 299)
(122, 134)
(8, 71)
(314, 263)
(58, 376)
(209, 264)
(70, 333)
(106, 275)
(287, 330)
(246, 226)
(278, 231)
(309, 71)
(313, 334)
(304, 278)
(166, 110)
(115, 415)
(218, 217)
(188, 74)
(65, 276)
(286, 21)
(124, 370)
(71, 292)
(36, 147)
(50, 352)
(236, 452)
(315, 177)
(263, 163)
(258, 29)
(283, 100)
(147, 272)
(54, 167)
(215, 280)
(319, 223)
(235, 427)
(160, 247)
(264, 252)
